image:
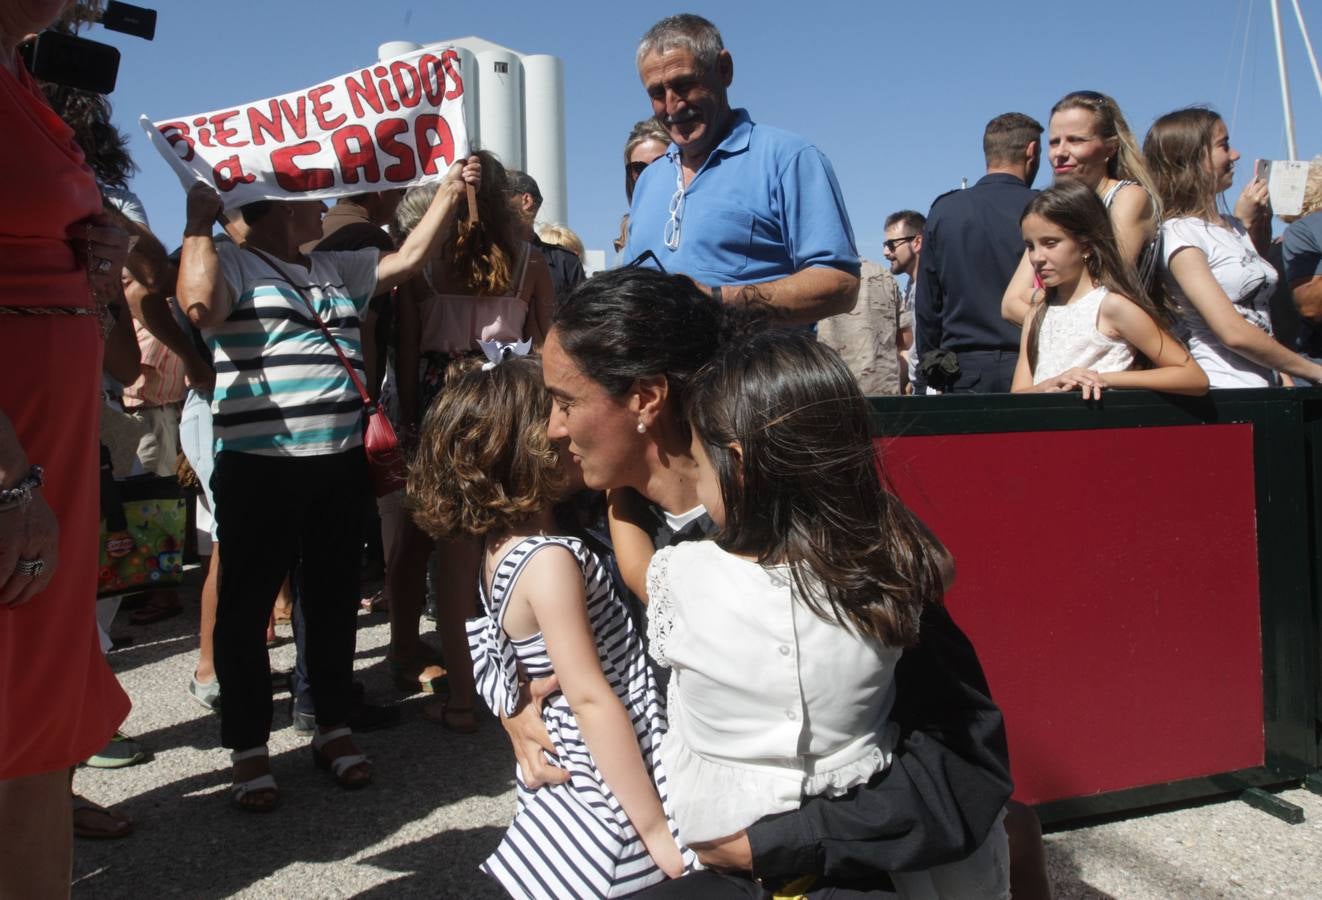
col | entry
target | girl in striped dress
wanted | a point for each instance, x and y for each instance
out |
(485, 467)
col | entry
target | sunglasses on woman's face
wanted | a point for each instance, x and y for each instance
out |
(635, 169)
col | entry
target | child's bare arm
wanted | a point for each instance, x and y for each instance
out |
(552, 584)
(633, 546)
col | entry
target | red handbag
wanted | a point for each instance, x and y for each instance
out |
(385, 458)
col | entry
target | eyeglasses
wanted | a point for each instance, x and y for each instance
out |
(635, 169)
(671, 234)
(896, 242)
(641, 261)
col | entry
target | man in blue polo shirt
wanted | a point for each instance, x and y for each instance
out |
(747, 211)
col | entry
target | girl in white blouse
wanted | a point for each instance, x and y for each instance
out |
(783, 632)
(1214, 268)
(1095, 322)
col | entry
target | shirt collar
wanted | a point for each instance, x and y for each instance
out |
(1001, 178)
(735, 141)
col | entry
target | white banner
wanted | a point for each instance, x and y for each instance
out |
(394, 124)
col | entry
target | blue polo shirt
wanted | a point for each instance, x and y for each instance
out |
(764, 205)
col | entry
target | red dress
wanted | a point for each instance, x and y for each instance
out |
(59, 701)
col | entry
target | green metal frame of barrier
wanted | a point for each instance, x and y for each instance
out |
(1287, 450)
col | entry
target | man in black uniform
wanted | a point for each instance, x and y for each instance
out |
(526, 198)
(971, 246)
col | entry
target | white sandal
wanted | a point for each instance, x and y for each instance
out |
(340, 766)
(241, 790)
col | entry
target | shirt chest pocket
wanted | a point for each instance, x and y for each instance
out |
(721, 236)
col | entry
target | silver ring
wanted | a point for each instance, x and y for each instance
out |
(103, 266)
(30, 568)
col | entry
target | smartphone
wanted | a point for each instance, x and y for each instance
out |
(72, 61)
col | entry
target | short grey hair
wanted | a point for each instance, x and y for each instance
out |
(685, 32)
(411, 210)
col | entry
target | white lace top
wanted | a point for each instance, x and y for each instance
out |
(768, 703)
(1069, 339)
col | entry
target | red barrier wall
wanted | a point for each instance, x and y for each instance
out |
(1109, 580)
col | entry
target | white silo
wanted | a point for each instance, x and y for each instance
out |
(500, 104)
(544, 133)
(516, 106)
(391, 49)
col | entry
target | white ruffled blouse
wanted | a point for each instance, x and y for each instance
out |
(768, 703)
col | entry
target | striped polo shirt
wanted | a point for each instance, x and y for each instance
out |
(281, 390)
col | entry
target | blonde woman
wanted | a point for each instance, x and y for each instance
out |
(647, 142)
(1089, 141)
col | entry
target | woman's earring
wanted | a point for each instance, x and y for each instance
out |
(642, 429)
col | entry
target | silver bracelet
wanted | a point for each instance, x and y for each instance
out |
(20, 495)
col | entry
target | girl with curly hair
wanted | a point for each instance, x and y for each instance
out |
(485, 468)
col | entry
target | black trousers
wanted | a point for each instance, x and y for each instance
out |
(985, 371)
(708, 885)
(272, 512)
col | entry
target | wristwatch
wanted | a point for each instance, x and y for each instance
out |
(20, 495)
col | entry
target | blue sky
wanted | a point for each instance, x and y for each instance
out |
(896, 94)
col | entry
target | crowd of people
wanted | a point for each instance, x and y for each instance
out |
(644, 504)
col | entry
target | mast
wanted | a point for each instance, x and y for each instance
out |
(1285, 79)
(1308, 45)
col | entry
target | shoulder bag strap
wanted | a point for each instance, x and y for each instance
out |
(348, 366)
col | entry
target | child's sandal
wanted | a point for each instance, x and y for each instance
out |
(351, 770)
(255, 795)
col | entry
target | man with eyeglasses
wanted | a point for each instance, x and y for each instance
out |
(902, 248)
(971, 248)
(749, 212)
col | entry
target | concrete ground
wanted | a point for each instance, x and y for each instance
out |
(441, 800)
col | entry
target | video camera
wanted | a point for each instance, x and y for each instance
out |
(76, 62)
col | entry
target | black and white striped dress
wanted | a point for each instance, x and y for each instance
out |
(573, 839)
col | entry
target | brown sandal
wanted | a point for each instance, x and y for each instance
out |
(94, 822)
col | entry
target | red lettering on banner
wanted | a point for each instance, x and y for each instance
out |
(363, 89)
(433, 78)
(410, 95)
(428, 152)
(299, 121)
(320, 107)
(203, 133)
(273, 126)
(450, 59)
(176, 133)
(386, 132)
(351, 160)
(225, 135)
(293, 179)
(228, 174)
(387, 93)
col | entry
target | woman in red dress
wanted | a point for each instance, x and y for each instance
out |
(59, 702)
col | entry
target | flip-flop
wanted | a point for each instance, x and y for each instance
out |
(96, 823)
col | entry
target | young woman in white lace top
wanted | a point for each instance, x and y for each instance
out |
(1095, 321)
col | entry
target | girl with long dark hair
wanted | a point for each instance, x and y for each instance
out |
(1095, 327)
